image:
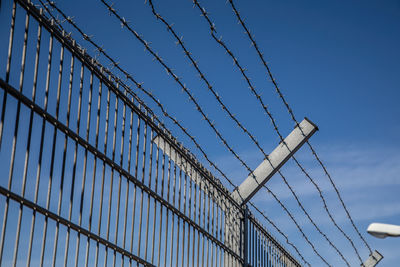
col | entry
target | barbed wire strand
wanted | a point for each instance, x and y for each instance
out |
(179, 40)
(258, 96)
(86, 37)
(194, 101)
(241, 21)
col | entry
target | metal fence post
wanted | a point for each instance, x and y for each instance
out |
(246, 237)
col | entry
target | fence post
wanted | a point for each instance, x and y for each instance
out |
(246, 237)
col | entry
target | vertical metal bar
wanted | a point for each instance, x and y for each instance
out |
(253, 249)
(41, 143)
(226, 232)
(141, 191)
(52, 153)
(120, 180)
(94, 168)
(200, 181)
(129, 170)
(90, 99)
(172, 213)
(208, 223)
(135, 188)
(221, 237)
(212, 224)
(246, 237)
(148, 196)
(204, 223)
(155, 202)
(71, 199)
(71, 75)
(103, 172)
(218, 224)
(179, 208)
(189, 174)
(127, 181)
(167, 210)
(39, 38)
(7, 78)
(112, 175)
(194, 175)
(258, 245)
(261, 248)
(161, 206)
(184, 211)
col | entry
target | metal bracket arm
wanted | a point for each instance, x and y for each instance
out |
(275, 161)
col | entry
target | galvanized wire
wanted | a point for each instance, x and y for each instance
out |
(291, 113)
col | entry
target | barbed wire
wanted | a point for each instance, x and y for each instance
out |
(86, 37)
(124, 23)
(289, 109)
(179, 40)
(140, 86)
(258, 96)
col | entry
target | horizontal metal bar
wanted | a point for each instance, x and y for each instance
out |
(275, 161)
(71, 225)
(14, 92)
(89, 63)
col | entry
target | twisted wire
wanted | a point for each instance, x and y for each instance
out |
(289, 109)
(258, 96)
(194, 101)
(224, 107)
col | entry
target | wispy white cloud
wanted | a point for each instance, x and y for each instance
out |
(367, 176)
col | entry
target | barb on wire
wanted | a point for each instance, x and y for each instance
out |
(191, 97)
(258, 96)
(289, 109)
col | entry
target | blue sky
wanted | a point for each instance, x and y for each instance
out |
(336, 62)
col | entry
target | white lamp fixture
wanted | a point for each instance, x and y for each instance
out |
(382, 230)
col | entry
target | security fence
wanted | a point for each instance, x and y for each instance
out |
(91, 177)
